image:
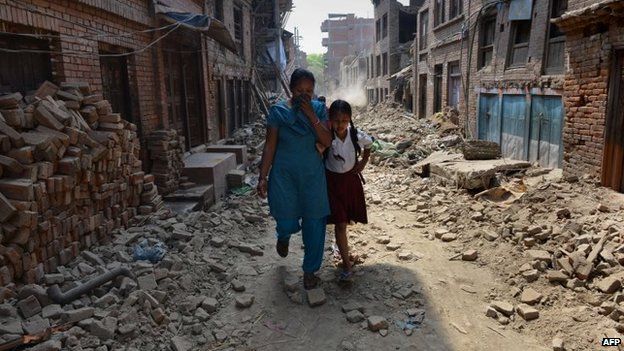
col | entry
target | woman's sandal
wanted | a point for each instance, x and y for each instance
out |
(282, 248)
(310, 281)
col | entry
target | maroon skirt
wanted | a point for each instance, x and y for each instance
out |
(346, 198)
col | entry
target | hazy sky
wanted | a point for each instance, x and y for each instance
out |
(307, 15)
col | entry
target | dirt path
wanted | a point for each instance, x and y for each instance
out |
(453, 295)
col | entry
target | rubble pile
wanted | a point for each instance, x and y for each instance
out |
(548, 236)
(166, 149)
(403, 140)
(70, 175)
(253, 136)
(182, 270)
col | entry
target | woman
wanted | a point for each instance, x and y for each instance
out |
(297, 188)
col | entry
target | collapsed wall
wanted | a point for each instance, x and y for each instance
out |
(70, 174)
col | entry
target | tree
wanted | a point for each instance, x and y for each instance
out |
(316, 65)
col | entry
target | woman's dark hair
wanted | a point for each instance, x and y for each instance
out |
(300, 74)
(341, 106)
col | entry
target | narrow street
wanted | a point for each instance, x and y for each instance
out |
(156, 156)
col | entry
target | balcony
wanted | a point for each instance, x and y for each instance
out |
(325, 26)
(325, 42)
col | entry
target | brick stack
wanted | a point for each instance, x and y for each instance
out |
(70, 175)
(166, 150)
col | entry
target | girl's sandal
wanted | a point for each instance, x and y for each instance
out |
(310, 281)
(345, 276)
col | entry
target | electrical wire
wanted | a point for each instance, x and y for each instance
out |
(87, 54)
(90, 36)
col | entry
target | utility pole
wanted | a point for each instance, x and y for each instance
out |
(278, 38)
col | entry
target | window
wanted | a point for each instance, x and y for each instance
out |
(378, 65)
(24, 71)
(238, 29)
(454, 84)
(422, 96)
(384, 26)
(519, 50)
(457, 8)
(384, 60)
(438, 12)
(486, 41)
(377, 30)
(219, 10)
(407, 26)
(424, 29)
(555, 44)
(437, 88)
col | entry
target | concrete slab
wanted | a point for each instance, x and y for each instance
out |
(239, 150)
(196, 193)
(210, 168)
(474, 174)
(423, 167)
(182, 207)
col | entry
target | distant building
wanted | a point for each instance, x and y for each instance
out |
(347, 35)
(395, 26)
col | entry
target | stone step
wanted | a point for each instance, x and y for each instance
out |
(239, 150)
(210, 168)
(197, 198)
(182, 207)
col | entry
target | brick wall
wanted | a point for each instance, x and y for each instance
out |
(74, 18)
(590, 48)
(146, 69)
(446, 45)
(226, 65)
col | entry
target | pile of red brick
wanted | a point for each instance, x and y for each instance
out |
(70, 175)
(166, 149)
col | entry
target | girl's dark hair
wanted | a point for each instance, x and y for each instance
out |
(341, 106)
(301, 74)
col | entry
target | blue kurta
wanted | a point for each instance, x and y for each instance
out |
(297, 184)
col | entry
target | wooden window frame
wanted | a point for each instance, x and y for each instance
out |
(555, 41)
(456, 9)
(439, 9)
(451, 76)
(513, 46)
(483, 47)
(384, 26)
(423, 37)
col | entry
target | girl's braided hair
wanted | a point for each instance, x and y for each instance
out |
(341, 106)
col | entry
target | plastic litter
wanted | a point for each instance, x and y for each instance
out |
(144, 252)
(244, 190)
(412, 322)
(384, 149)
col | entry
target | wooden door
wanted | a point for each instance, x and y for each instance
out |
(489, 118)
(115, 87)
(613, 159)
(546, 131)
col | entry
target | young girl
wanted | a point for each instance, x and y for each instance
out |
(344, 179)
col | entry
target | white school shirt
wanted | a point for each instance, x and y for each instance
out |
(346, 150)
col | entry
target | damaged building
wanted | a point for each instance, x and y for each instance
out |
(96, 94)
(156, 79)
(594, 91)
(347, 35)
(273, 47)
(502, 67)
(395, 26)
